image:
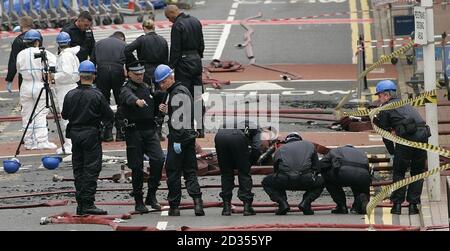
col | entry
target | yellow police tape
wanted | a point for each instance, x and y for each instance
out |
(386, 190)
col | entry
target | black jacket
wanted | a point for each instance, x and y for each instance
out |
(17, 46)
(186, 37)
(85, 39)
(150, 47)
(345, 156)
(144, 117)
(185, 132)
(402, 119)
(85, 106)
(109, 52)
(295, 157)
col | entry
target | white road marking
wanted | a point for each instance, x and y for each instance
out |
(162, 225)
(165, 212)
(225, 31)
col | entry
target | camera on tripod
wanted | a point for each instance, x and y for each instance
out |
(43, 55)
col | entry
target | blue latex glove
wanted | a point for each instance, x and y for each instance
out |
(9, 86)
(177, 147)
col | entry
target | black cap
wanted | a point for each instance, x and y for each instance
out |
(136, 66)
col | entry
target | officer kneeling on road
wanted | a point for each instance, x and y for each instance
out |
(408, 124)
(181, 156)
(232, 146)
(347, 166)
(296, 165)
(85, 107)
(139, 106)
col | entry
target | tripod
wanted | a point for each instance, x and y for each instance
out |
(48, 96)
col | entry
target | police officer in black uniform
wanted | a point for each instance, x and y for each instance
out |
(347, 166)
(296, 165)
(81, 34)
(85, 107)
(138, 107)
(408, 124)
(186, 53)
(181, 157)
(238, 147)
(109, 57)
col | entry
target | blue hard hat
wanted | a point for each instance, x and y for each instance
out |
(32, 35)
(86, 67)
(11, 165)
(51, 162)
(162, 72)
(63, 38)
(385, 85)
(293, 136)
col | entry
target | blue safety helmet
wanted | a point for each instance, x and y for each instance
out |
(32, 35)
(11, 165)
(63, 38)
(293, 136)
(385, 85)
(51, 162)
(87, 67)
(162, 72)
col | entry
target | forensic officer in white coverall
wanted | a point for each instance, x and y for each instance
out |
(66, 78)
(36, 136)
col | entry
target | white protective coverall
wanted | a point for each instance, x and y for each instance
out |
(36, 136)
(66, 78)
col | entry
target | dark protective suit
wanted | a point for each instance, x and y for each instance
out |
(186, 53)
(347, 167)
(141, 135)
(237, 150)
(408, 124)
(85, 39)
(108, 55)
(295, 166)
(186, 161)
(85, 107)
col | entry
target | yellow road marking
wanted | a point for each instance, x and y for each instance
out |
(367, 31)
(354, 28)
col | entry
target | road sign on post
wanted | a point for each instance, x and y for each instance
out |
(420, 34)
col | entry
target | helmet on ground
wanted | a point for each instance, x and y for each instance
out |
(32, 35)
(293, 136)
(11, 165)
(51, 162)
(385, 85)
(63, 38)
(162, 72)
(86, 67)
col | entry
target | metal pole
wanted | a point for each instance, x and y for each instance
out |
(363, 49)
(434, 185)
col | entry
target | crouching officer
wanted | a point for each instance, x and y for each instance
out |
(238, 148)
(347, 166)
(296, 165)
(408, 124)
(138, 108)
(84, 130)
(181, 156)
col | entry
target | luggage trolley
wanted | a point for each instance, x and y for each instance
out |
(103, 13)
(115, 12)
(93, 11)
(53, 14)
(138, 10)
(35, 15)
(45, 16)
(6, 21)
(73, 13)
(63, 13)
(150, 9)
(14, 17)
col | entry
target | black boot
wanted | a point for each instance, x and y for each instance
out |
(139, 206)
(152, 201)
(90, 208)
(226, 211)
(340, 209)
(79, 208)
(200, 133)
(413, 209)
(174, 211)
(305, 207)
(119, 136)
(248, 209)
(364, 200)
(283, 208)
(198, 206)
(396, 208)
(107, 135)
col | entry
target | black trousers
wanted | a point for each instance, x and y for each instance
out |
(140, 142)
(86, 162)
(277, 184)
(405, 157)
(110, 78)
(233, 154)
(184, 163)
(358, 179)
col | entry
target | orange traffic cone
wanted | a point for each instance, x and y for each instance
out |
(131, 4)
